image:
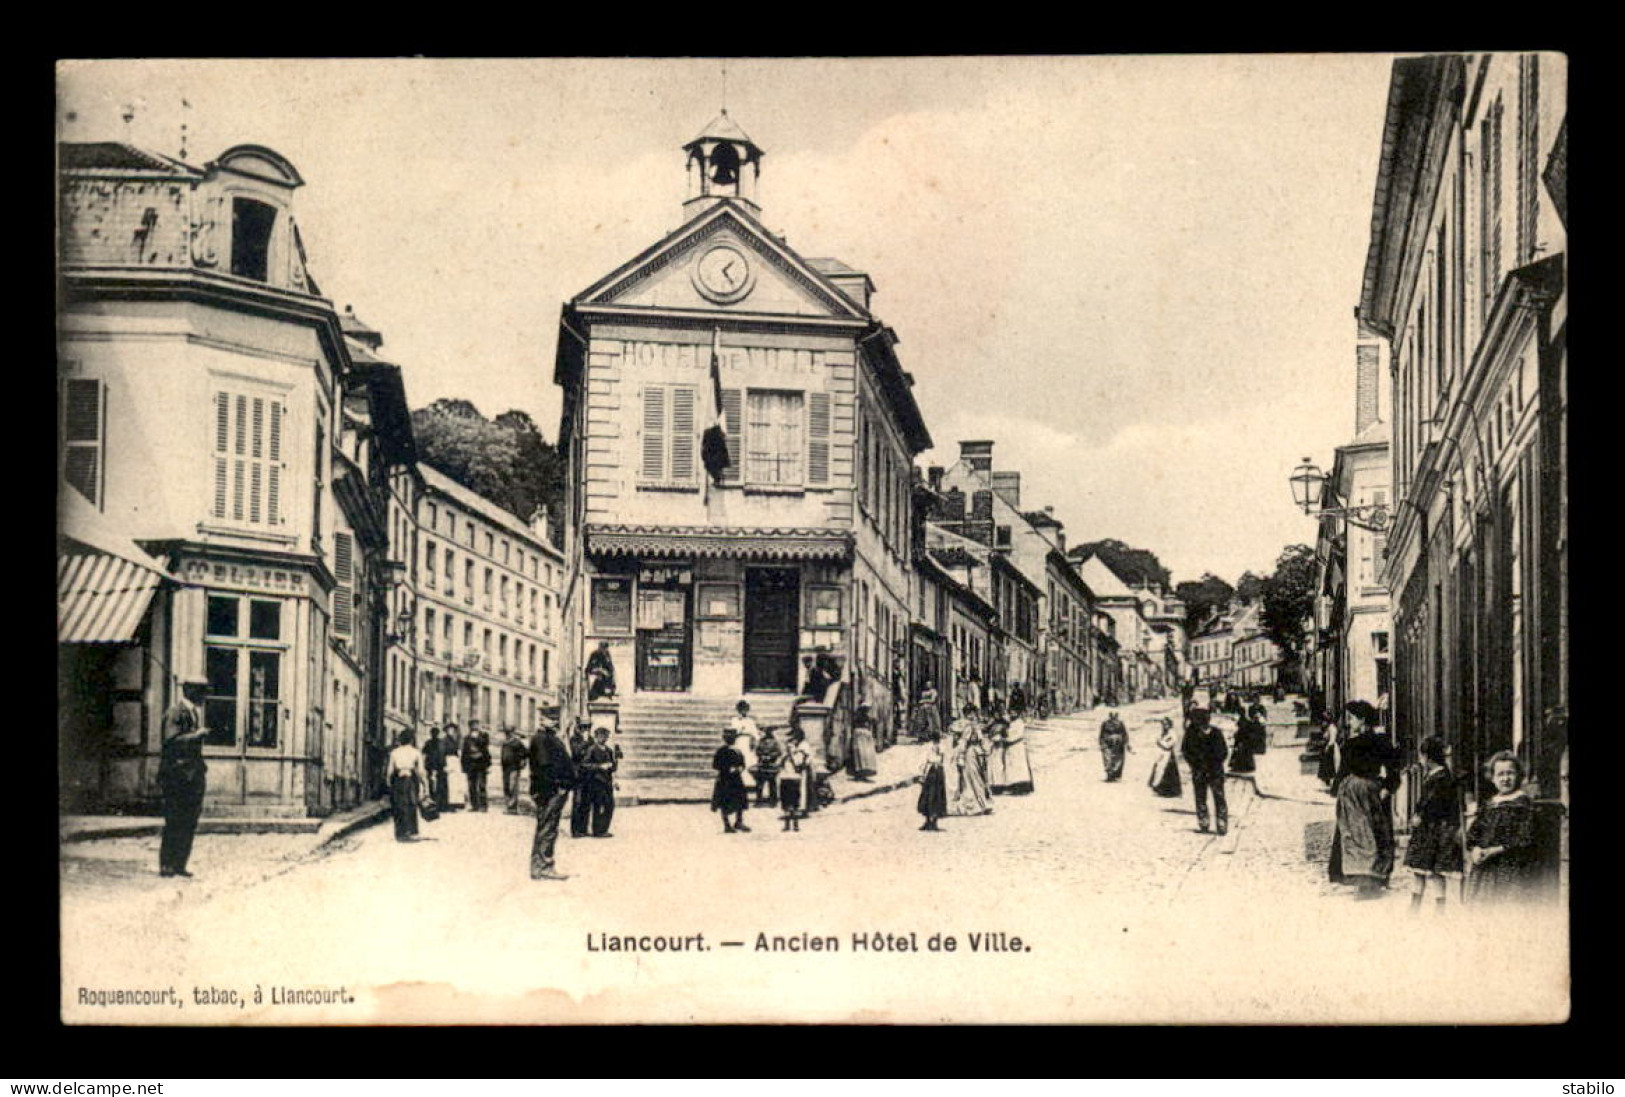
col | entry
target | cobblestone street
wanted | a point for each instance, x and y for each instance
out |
(1110, 890)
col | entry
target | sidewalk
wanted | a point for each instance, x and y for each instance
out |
(86, 828)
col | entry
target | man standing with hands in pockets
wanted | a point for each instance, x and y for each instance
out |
(552, 776)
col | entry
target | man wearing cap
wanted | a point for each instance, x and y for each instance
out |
(182, 776)
(1205, 751)
(513, 760)
(552, 776)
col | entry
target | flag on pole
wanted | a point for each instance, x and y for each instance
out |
(714, 444)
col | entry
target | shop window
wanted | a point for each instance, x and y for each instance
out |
(717, 601)
(612, 605)
(243, 702)
(824, 607)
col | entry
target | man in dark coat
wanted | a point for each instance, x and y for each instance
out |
(434, 760)
(476, 765)
(552, 776)
(182, 777)
(580, 807)
(597, 780)
(513, 761)
(1113, 746)
(1205, 751)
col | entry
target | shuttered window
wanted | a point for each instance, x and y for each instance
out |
(732, 422)
(670, 436)
(247, 460)
(83, 422)
(818, 431)
(344, 590)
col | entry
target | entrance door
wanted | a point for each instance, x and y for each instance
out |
(772, 628)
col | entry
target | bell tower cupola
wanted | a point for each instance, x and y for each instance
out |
(723, 162)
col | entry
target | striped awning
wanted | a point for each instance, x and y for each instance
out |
(101, 598)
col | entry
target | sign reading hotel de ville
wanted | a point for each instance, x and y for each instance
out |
(920, 606)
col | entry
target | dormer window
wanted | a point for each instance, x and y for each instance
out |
(251, 225)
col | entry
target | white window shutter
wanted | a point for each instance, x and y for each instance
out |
(733, 423)
(682, 433)
(818, 422)
(654, 432)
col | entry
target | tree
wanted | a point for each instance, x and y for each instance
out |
(1289, 597)
(1250, 587)
(1132, 565)
(1202, 598)
(506, 460)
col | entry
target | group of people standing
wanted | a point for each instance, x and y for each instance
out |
(782, 774)
(981, 759)
(1499, 844)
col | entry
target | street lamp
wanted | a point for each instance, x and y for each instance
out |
(1308, 484)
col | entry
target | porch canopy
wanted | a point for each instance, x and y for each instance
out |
(719, 541)
(104, 581)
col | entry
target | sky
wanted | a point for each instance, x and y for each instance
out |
(1137, 275)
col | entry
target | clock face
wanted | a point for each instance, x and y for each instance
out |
(723, 274)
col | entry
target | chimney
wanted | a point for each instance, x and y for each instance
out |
(1007, 486)
(978, 455)
(1367, 376)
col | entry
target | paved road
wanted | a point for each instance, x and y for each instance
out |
(1123, 912)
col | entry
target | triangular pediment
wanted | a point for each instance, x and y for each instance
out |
(722, 261)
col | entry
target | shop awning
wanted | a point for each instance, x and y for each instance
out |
(691, 542)
(104, 580)
(100, 599)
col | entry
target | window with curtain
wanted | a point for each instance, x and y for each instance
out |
(775, 438)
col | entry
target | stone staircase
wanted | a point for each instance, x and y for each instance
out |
(673, 736)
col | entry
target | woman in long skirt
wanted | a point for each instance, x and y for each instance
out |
(1363, 839)
(970, 797)
(933, 801)
(406, 776)
(927, 718)
(865, 764)
(1165, 770)
(1013, 774)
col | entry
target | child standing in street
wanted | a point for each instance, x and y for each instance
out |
(1434, 852)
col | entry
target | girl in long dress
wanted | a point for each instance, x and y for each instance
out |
(1015, 771)
(865, 764)
(997, 780)
(1434, 852)
(728, 794)
(1165, 770)
(406, 780)
(970, 752)
(933, 801)
(1501, 840)
(744, 726)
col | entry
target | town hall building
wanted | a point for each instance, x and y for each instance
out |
(711, 582)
